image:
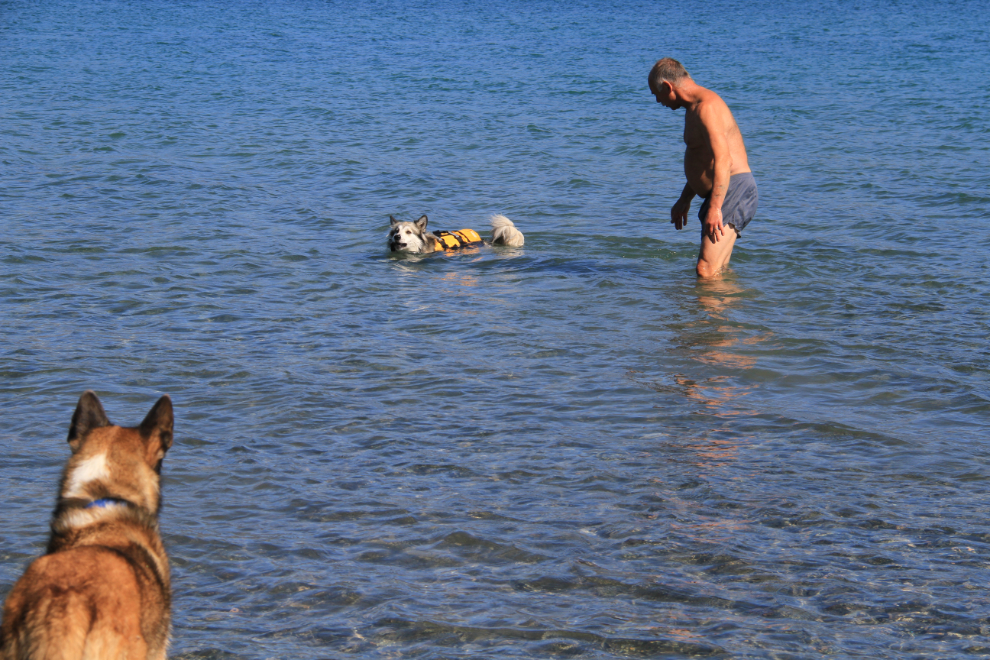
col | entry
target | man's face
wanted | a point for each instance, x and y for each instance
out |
(665, 96)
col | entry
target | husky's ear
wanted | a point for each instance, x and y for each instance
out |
(421, 223)
(159, 420)
(393, 220)
(89, 415)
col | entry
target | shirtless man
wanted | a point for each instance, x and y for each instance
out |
(715, 164)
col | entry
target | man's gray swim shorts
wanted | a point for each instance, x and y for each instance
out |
(739, 205)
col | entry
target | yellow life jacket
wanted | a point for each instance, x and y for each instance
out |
(452, 240)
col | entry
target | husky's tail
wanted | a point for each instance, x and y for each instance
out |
(505, 233)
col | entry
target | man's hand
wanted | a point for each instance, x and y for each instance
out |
(712, 227)
(679, 212)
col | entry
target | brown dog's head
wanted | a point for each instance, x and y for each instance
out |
(409, 236)
(116, 463)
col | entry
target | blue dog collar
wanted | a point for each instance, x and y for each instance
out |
(105, 502)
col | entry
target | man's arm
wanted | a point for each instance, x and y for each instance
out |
(713, 122)
(679, 212)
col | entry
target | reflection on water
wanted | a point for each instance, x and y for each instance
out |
(714, 530)
(712, 339)
(716, 296)
(459, 279)
(715, 452)
(716, 393)
(709, 340)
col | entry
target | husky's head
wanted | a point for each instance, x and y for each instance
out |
(113, 463)
(408, 236)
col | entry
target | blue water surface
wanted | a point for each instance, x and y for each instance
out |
(569, 449)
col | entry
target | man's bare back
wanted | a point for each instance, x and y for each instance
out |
(715, 153)
(699, 157)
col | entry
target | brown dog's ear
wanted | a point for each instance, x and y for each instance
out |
(421, 223)
(159, 420)
(393, 221)
(89, 415)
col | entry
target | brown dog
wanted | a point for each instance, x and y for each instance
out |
(102, 588)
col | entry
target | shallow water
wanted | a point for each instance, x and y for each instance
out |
(572, 448)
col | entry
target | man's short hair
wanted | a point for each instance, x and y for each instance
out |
(667, 70)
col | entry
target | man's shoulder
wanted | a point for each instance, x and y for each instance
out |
(710, 100)
(711, 108)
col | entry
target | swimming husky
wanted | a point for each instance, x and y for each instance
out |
(102, 588)
(412, 236)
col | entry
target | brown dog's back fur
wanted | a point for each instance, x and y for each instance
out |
(102, 590)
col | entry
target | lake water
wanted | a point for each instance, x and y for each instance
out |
(571, 449)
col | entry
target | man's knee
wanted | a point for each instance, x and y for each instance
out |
(706, 270)
(714, 257)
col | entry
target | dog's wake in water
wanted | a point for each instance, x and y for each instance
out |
(413, 237)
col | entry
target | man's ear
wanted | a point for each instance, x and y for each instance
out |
(89, 415)
(421, 223)
(159, 420)
(393, 220)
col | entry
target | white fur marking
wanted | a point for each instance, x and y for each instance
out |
(93, 468)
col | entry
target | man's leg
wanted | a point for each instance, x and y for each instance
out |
(714, 257)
